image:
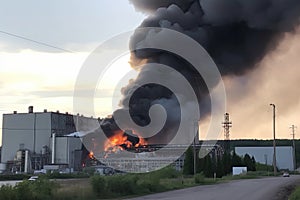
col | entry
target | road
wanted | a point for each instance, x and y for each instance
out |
(12, 183)
(251, 189)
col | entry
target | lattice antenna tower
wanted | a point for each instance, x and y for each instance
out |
(227, 124)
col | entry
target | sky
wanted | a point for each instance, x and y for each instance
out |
(44, 77)
(275, 80)
(34, 74)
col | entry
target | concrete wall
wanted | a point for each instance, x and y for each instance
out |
(65, 148)
(33, 130)
(30, 129)
(284, 155)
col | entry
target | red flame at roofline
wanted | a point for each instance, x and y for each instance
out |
(91, 155)
(119, 141)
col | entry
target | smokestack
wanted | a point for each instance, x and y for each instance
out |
(53, 148)
(30, 109)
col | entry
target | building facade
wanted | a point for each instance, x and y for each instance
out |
(33, 131)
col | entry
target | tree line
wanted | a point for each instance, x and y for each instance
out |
(220, 165)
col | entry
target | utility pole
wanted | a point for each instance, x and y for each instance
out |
(293, 127)
(274, 139)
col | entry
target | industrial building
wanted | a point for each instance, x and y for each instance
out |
(264, 155)
(153, 157)
(36, 141)
(27, 140)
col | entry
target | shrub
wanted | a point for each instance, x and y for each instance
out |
(199, 178)
(7, 192)
(39, 189)
(5, 177)
(167, 172)
(24, 190)
(124, 185)
(57, 175)
(99, 185)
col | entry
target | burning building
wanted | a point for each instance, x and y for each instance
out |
(237, 34)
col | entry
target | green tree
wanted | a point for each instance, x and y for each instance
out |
(208, 171)
(249, 162)
(220, 168)
(200, 165)
(188, 167)
(253, 163)
(236, 160)
(226, 159)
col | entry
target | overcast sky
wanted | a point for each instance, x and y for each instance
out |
(34, 74)
(74, 25)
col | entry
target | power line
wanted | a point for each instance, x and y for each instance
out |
(35, 41)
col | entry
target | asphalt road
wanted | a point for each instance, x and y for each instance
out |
(250, 189)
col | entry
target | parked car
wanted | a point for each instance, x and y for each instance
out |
(285, 174)
(33, 178)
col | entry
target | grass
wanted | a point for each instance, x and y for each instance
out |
(73, 189)
(117, 186)
(249, 175)
(296, 194)
(132, 185)
(74, 192)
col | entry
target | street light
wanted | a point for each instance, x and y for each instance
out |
(274, 142)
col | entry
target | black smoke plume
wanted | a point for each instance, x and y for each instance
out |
(236, 33)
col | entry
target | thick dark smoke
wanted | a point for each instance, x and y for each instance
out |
(236, 33)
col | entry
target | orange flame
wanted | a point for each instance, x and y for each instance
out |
(91, 155)
(119, 140)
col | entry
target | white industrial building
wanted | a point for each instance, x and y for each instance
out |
(32, 133)
(264, 155)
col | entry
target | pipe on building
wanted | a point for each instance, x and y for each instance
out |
(26, 162)
(53, 148)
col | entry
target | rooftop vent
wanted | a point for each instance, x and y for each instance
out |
(30, 109)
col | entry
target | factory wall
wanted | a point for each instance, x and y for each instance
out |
(33, 131)
(43, 131)
(29, 131)
(65, 150)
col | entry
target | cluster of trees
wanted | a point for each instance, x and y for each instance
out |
(257, 143)
(211, 164)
